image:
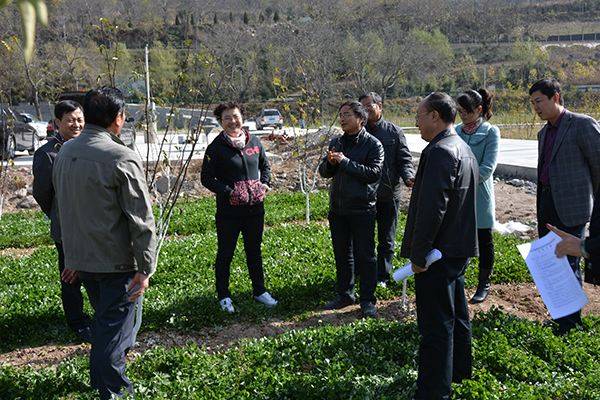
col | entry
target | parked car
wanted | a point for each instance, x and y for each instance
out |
(16, 134)
(127, 134)
(40, 127)
(269, 117)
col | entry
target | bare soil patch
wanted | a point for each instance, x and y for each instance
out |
(515, 201)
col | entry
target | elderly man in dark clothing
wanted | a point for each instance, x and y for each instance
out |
(442, 215)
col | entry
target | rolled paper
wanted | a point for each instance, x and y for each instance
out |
(406, 271)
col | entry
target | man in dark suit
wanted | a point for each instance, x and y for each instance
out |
(70, 121)
(568, 171)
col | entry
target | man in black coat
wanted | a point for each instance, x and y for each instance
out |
(397, 170)
(70, 121)
(442, 215)
(354, 162)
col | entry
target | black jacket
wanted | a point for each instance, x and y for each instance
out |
(238, 177)
(397, 165)
(356, 179)
(442, 213)
(592, 245)
(43, 189)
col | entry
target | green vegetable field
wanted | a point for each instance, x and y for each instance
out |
(368, 359)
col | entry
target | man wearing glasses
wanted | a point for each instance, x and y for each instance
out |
(442, 215)
(354, 161)
(397, 169)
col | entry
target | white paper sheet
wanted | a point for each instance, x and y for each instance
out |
(560, 290)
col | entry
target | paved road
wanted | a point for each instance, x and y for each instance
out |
(516, 157)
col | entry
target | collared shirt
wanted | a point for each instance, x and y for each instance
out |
(551, 132)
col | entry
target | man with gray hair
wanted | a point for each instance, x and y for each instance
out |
(442, 215)
(108, 232)
(397, 170)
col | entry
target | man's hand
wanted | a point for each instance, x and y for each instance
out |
(139, 279)
(417, 270)
(570, 245)
(69, 275)
(333, 157)
(410, 182)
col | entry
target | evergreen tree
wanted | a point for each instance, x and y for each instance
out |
(246, 19)
(276, 17)
(215, 19)
(177, 20)
(230, 16)
(192, 22)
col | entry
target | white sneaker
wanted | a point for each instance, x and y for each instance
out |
(266, 299)
(227, 305)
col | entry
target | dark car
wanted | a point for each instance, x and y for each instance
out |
(269, 117)
(16, 134)
(127, 134)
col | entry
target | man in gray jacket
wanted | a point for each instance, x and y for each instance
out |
(397, 170)
(108, 232)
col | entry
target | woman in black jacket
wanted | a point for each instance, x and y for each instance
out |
(236, 169)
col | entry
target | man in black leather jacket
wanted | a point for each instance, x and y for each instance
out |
(397, 171)
(354, 161)
(442, 215)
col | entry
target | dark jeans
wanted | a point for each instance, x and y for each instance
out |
(72, 298)
(353, 238)
(547, 214)
(228, 231)
(443, 320)
(112, 330)
(387, 222)
(486, 248)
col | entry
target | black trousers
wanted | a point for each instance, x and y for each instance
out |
(486, 248)
(547, 214)
(228, 231)
(112, 330)
(353, 238)
(72, 298)
(443, 321)
(387, 222)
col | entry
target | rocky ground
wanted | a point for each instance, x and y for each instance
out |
(515, 201)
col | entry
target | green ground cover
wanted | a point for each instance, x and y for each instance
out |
(363, 360)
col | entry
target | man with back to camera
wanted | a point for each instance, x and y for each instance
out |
(69, 120)
(354, 161)
(397, 169)
(442, 215)
(568, 171)
(108, 232)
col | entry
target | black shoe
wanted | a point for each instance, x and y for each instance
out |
(482, 292)
(338, 302)
(368, 309)
(85, 335)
